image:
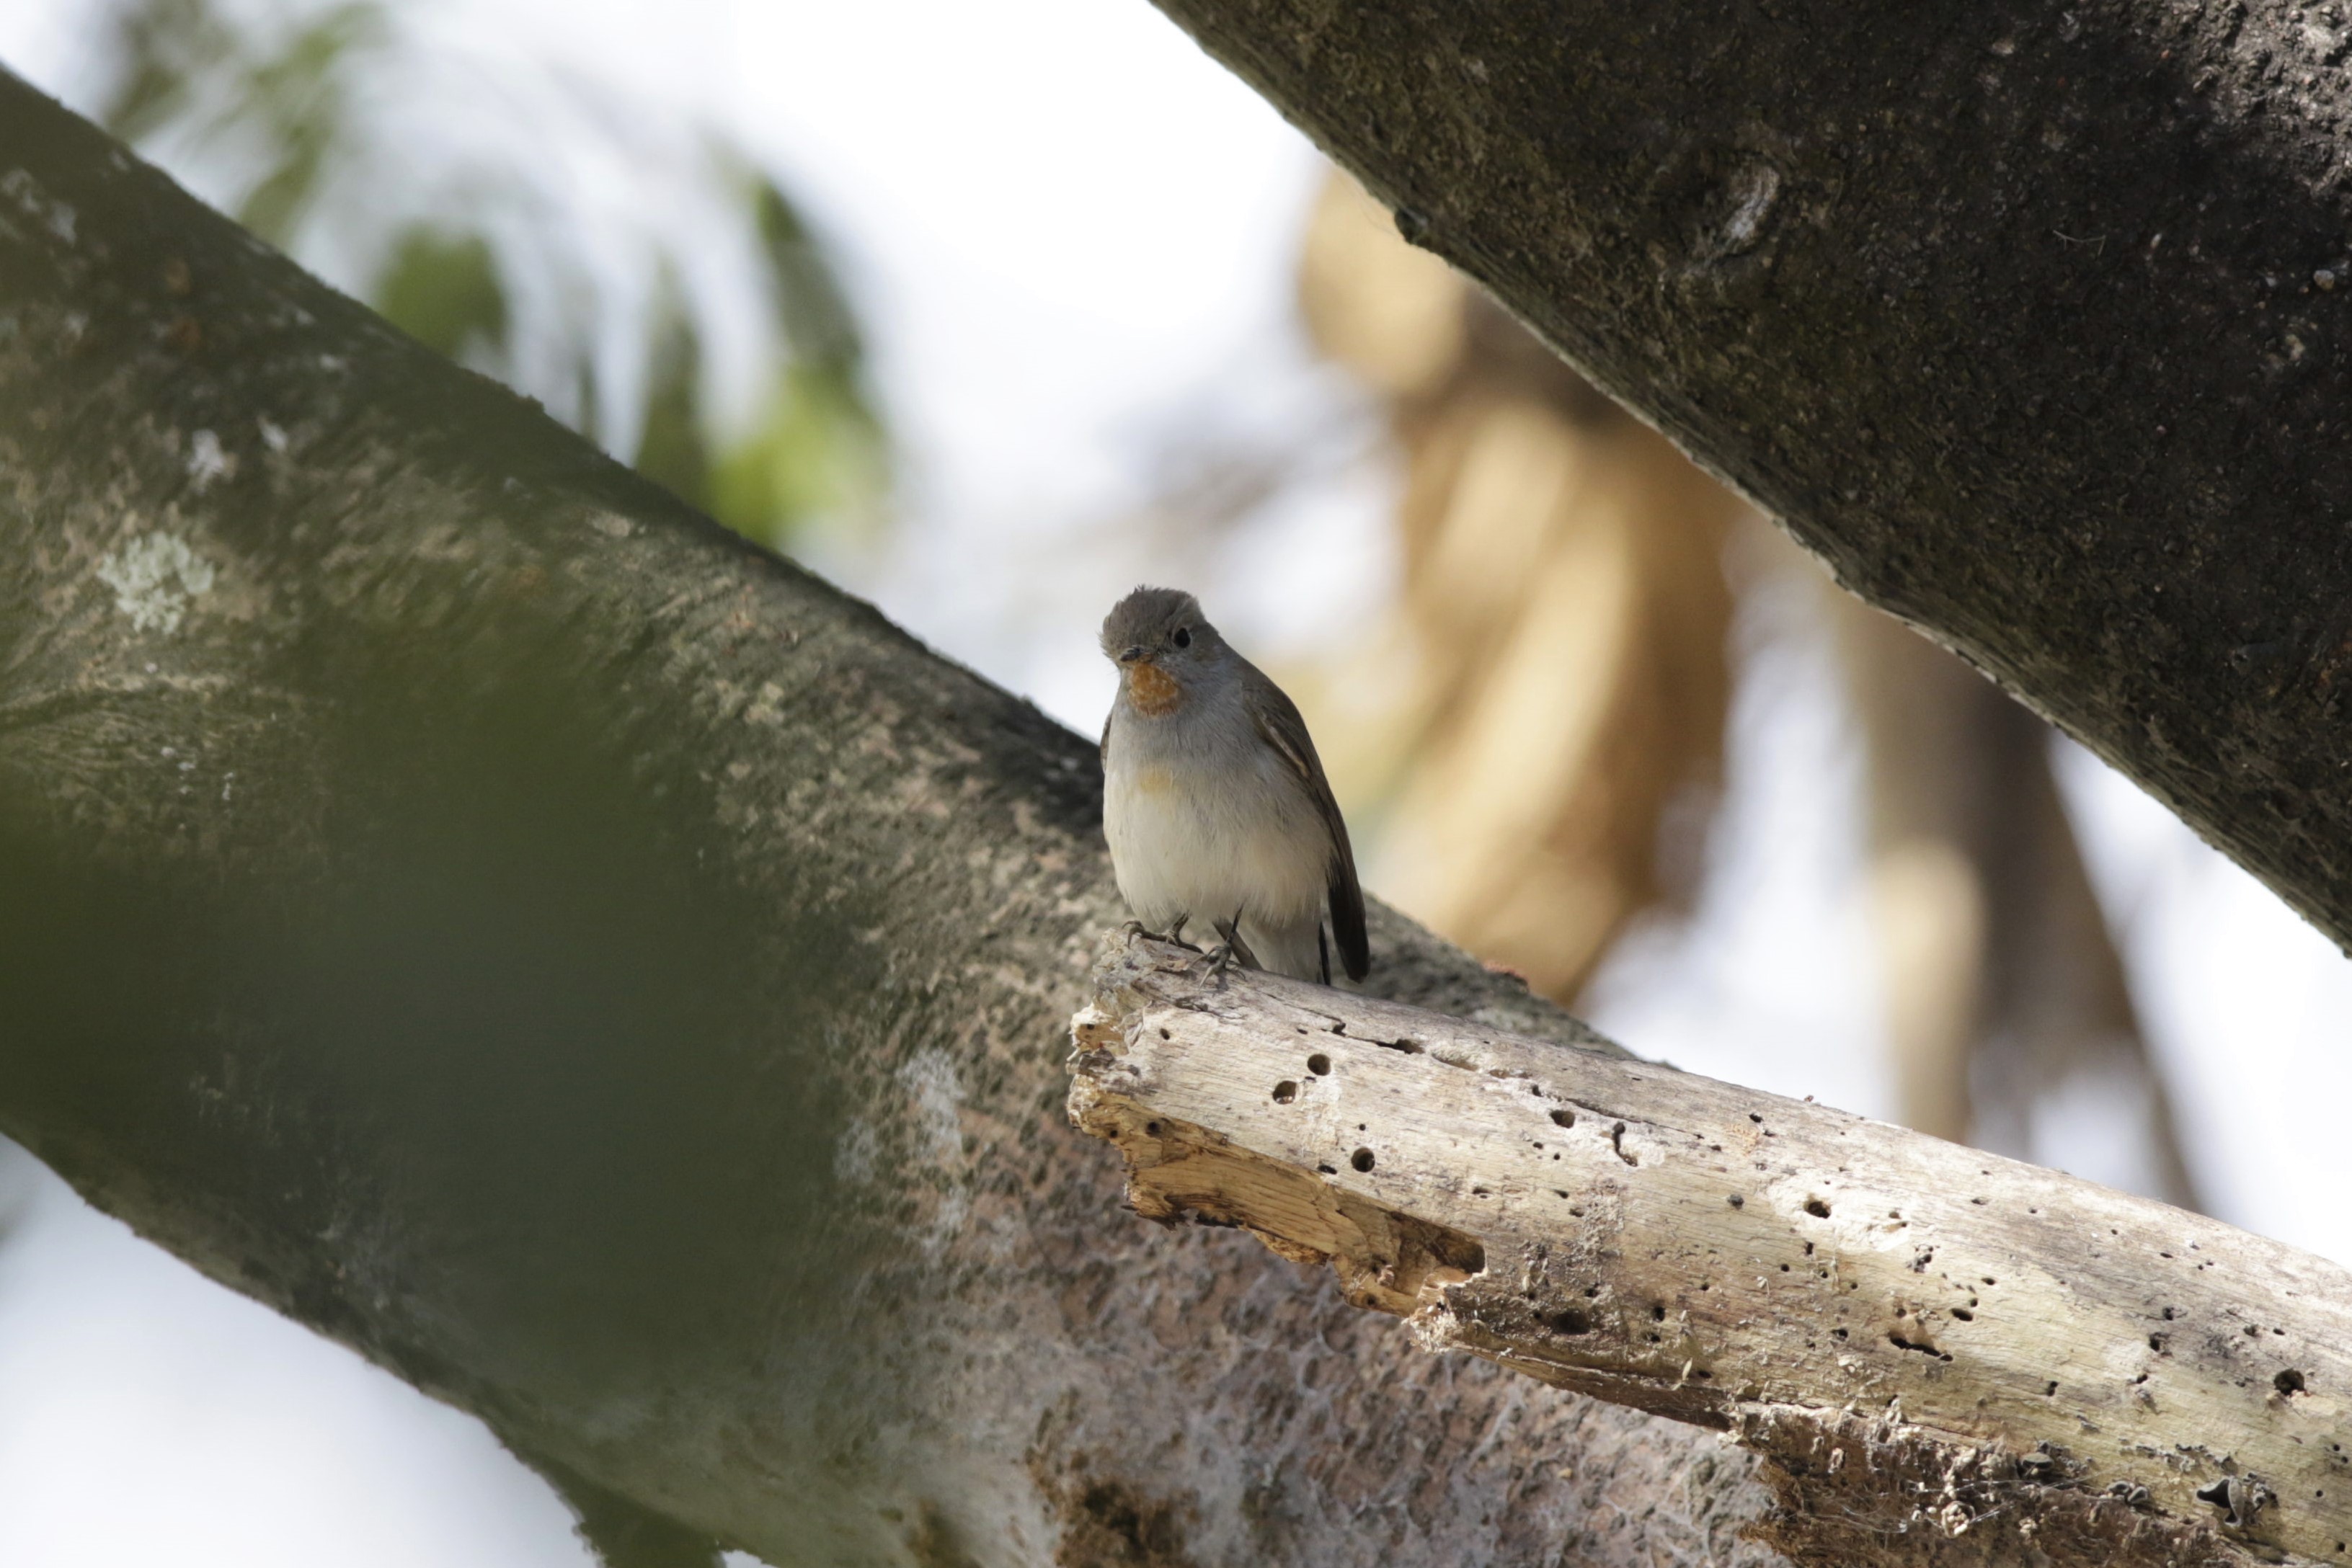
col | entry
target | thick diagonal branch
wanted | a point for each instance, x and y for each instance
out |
(1920, 1336)
(462, 898)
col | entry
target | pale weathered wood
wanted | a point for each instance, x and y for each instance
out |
(1926, 1341)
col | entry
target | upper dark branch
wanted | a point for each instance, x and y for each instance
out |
(2031, 320)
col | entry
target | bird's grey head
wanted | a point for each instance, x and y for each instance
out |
(1160, 642)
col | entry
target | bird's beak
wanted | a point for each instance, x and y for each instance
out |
(1130, 655)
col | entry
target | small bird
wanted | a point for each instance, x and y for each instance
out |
(1214, 802)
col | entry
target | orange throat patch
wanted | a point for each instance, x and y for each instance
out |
(1152, 690)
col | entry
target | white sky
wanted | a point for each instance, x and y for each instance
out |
(1071, 234)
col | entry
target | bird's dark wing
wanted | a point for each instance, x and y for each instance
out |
(1280, 725)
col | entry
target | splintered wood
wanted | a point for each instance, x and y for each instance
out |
(1958, 1337)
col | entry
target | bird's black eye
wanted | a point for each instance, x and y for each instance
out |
(1184, 636)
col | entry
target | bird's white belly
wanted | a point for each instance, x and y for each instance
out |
(1181, 848)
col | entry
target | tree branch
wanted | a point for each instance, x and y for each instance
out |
(1919, 1337)
(468, 901)
(2030, 322)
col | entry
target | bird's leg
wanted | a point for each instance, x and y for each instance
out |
(1231, 930)
(1176, 933)
(1231, 949)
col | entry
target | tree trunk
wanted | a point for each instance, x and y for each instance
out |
(463, 899)
(1922, 1337)
(1560, 577)
(2005, 988)
(2030, 322)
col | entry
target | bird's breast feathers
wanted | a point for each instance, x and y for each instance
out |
(1190, 838)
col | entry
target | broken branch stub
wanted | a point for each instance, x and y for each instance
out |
(1943, 1340)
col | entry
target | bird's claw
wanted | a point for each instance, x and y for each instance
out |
(1231, 951)
(1173, 936)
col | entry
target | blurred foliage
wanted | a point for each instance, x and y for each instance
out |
(670, 445)
(818, 447)
(442, 289)
(315, 122)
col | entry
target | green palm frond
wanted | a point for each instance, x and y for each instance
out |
(301, 121)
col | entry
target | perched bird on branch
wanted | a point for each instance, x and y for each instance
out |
(1214, 802)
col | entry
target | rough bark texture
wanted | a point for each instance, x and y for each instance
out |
(2029, 319)
(463, 899)
(1920, 1337)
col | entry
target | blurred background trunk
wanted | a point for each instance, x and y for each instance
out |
(2007, 1010)
(1556, 678)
